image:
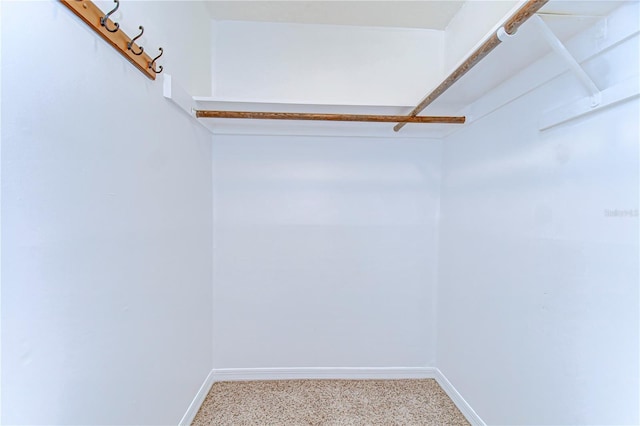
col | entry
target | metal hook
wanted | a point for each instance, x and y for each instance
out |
(130, 44)
(103, 20)
(158, 71)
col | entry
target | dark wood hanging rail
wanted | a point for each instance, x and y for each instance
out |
(510, 27)
(326, 117)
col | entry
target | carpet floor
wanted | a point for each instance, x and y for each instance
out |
(329, 402)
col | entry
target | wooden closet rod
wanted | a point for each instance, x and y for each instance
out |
(326, 117)
(510, 27)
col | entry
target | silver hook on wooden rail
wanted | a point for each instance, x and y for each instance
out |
(103, 20)
(130, 44)
(151, 64)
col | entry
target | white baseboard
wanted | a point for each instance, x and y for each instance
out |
(188, 417)
(457, 399)
(236, 374)
(232, 374)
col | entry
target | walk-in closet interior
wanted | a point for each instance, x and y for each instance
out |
(197, 192)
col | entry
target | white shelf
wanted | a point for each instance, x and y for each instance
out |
(525, 70)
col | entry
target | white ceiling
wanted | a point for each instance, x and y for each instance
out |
(584, 8)
(431, 14)
(410, 14)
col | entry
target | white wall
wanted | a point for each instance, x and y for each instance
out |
(325, 251)
(106, 222)
(324, 64)
(538, 287)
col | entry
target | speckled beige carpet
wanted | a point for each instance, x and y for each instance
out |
(329, 402)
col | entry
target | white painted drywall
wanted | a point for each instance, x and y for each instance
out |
(324, 64)
(106, 222)
(325, 251)
(538, 284)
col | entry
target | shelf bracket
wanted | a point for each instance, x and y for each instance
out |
(560, 49)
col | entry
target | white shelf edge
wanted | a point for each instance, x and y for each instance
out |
(214, 99)
(621, 92)
(173, 91)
